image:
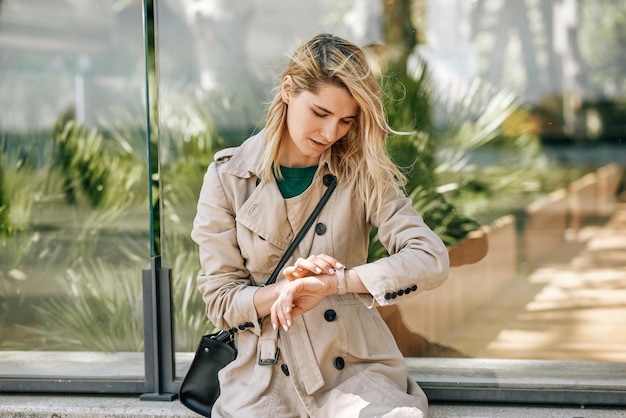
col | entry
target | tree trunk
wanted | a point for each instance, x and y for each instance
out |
(400, 34)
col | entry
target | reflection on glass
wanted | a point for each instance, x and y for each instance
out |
(73, 189)
(528, 101)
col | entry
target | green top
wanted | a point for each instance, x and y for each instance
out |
(295, 180)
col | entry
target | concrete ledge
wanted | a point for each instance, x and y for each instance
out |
(15, 406)
(520, 411)
(35, 406)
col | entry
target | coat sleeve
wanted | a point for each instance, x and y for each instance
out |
(223, 281)
(418, 259)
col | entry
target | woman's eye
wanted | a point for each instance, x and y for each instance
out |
(346, 121)
(319, 115)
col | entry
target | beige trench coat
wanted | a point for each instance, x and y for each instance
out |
(340, 359)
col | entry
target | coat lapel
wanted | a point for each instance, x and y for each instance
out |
(265, 214)
(265, 211)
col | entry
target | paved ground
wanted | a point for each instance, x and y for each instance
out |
(569, 308)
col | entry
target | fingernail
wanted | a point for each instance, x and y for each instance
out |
(285, 328)
(318, 270)
(289, 322)
(340, 266)
(331, 270)
(274, 326)
(287, 308)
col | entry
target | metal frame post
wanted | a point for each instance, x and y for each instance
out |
(158, 332)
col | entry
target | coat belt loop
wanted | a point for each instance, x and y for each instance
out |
(268, 351)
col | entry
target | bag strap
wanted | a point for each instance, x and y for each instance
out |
(331, 182)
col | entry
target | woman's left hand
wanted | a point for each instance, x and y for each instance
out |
(312, 266)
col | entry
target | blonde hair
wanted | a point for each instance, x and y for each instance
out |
(360, 157)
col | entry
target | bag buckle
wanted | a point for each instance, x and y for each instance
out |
(223, 336)
(270, 362)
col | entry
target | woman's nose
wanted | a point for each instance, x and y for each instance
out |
(329, 131)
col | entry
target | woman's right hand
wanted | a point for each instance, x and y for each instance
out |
(308, 282)
(299, 296)
(312, 266)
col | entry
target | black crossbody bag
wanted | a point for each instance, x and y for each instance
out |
(200, 388)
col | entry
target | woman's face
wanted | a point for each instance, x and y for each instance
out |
(314, 122)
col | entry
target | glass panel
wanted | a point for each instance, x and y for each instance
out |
(519, 108)
(74, 232)
(530, 105)
(211, 95)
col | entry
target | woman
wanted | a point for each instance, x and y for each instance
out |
(312, 344)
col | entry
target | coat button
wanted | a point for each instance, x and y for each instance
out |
(394, 295)
(330, 315)
(328, 179)
(407, 290)
(285, 369)
(414, 287)
(387, 296)
(340, 363)
(400, 292)
(320, 229)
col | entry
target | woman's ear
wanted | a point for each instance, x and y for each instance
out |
(286, 88)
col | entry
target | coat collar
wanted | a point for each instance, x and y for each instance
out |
(244, 158)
